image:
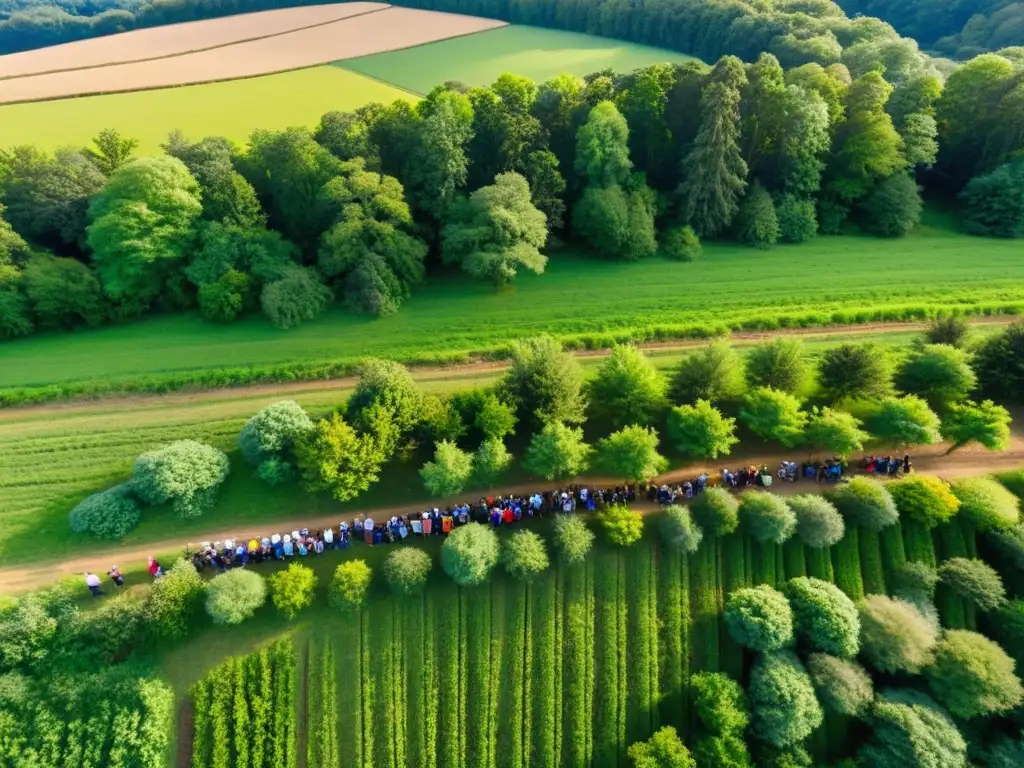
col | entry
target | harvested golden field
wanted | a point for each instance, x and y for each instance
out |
(174, 39)
(384, 29)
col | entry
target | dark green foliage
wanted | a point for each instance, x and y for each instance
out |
(716, 511)
(915, 582)
(893, 208)
(545, 382)
(1008, 626)
(784, 709)
(678, 530)
(759, 618)
(953, 330)
(999, 364)
(712, 373)
(855, 371)
(994, 202)
(109, 514)
(939, 373)
(681, 244)
(616, 221)
(974, 581)
(766, 517)
(627, 388)
(780, 364)
(798, 221)
(824, 616)
(866, 502)
(296, 297)
(846, 561)
(222, 301)
(62, 292)
(757, 223)
(904, 421)
(388, 387)
(871, 566)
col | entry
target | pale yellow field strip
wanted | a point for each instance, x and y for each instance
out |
(386, 30)
(174, 39)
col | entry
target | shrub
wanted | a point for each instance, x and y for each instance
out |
(756, 221)
(984, 423)
(185, 473)
(297, 297)
(494, 417)
(631, 453)
(915, 582)
(627, 388)
(450, 470)
(716, 511)
(825, 617)
(784, 709)
(798, 221)
(818, 522)
(894, 635)
(974, 581)
(953, 330)
(109, 514)
(939, 373)
(350, 585)
(842, 685)
(62, 292)
(524, 555)
(893, 207)
(701, 431)
(986, 504)
(712, 373)
(174, 600)
(759, 618)
(233, 597)
(993, 203)
(621, 525)
(904, 421)
(719, 702)
(557, 451)
(292, 589)
(909, 729)
(490, 461)
(272, 432)
(866, 502)
(545, 382)
(925, 499)
(679, 531)
(681, 244)
(469, 554)
(766, 517)
(973, 676)
(276, 471)
(223, 300)
(406, 570)
(388, 386)
(1008, 626)
(663, 750)
(780, 364)
(774, 415)
(855, 372)
(834, 431)
(998, 363)
(572, 538)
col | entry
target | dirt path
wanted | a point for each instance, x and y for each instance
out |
(966, 462)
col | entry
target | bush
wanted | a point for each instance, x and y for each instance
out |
(450, 470)
(572, 538)
(818, 522)
(973, 676)
(953, 331)
(223, 300)
(387, 386)
(774, 415)
(974, 581)
(701, 431)
(915, 582)
(295, 298)
(490, 461)
(909, 729)
(109, 514)
(712, 373)
(276, 471)
(272, 432)
(986, 504)
(867, 503)
(716, 511)
(720, 703)
(627, 388)
(759, 618)
(855, 372)
(621, 525)
(186, 473)
(894, 635)
(784, 709)
(993, 203)
(904, 421)
(62, 292)
(780, 364)
(545, 381)
(525, 555)
(824, 617)
(406, 570)
(631, 453)
(292, 589)
(681, 244)
(495, 418)
(678, 530)
(798, 221)
(766, 517)
(939, 373)
(174, 600)
(663, 750)
(757, 223)
(836, 432)
(998, 362)
(842, 685)
(469, 554)
(984, 423)
(925, 499)
(556, 452)
(350, 585)
(233, 597)
(893, 207)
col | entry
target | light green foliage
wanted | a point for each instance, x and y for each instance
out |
(836, 432)
(759, 618)
(784, 709)
(545, 382)
(681, 244)
(985, 503)
(174, 600)
(631, 453)
(110, 150)
(497, 231)
(925, 499)
(440, 418)
(716, 511)
(524, 555)
(757, 223)
(233, 597)
(621, 525)
(973, 580)
(602, 147)
(824, 617)
(842, 685)
(720, 703)
(109, 514)
(818, 522)
(222, 301)
(855, 371)
(296, 297)
(712, 373)
(701, 431)
(939, 373)
(490, 461)
(766, 517)
(406, 570)
(469, 553)
(450, 470)
(547, 186)
(349, 585)
(774, 415)
(798, 221)
(780, 364)
(909, 728)
(973, 676)
(62, 292)
(557, 451)
(185, 473)
(495, 418)
(984, 423)
(627, 388)
(272, 432)
(866, 502)
(663, 750)
(894, 635)
(335, 458)
(27, 630)
(387, 386)
(893, 208)
(573, 539)
(904, 421)
(679, 531)
(291, 590)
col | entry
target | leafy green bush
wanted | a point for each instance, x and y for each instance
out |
(450, 470)
(757, 222)
(824, 617)
(915, 582)
(350, 585)
(784, 710)
(622, 526)
(987, 504)
(893, 207)
(524, 555)
(573, 538)
(679, 531)
(973, 580)
(186, 473)
(894, 635)
(818, 522)
(781, 364)
(272, 432)
(994, 202)
(866, 502)
(663, 750)
(855, 372)
(233, 597)
(681, 244)
(389, 387)
(759, 618)
(766, 517)
(836, 432)
(925, 499)
(798, 221)
(627, 388)
(276, 471)
(716, 511)
(174, 600)
(713, 373)
(292, 589)
(719, 702)
(469, 553)
(406, 570)
(545, 381)
(909, 728)
(631, 453)
(109, 514)
(490, 461)
(953, 330)
(774, 415)
(297, 297)
(973, 676)
(904, 421)
(842, 685)
(701, 431)
(939, 373)
(984, 423)
(557, 451)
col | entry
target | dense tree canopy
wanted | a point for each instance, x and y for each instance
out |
(784, 708)
(713, 373)
(759, 618)
(701, 431)
(894, 635)
(973, 676)
(824, 617)
(627, 388)
(909, 728)
(866, 502)
(545, 382)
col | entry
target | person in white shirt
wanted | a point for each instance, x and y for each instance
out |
(92, 581)
(329, 537)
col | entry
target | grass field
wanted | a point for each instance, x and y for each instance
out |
(234, 109)
(832, 279)
(478, 59)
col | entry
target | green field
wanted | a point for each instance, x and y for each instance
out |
(233, 108)
(935, 268)
(533, 52)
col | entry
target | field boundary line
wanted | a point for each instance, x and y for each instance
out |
(377, 80)
(175, 55)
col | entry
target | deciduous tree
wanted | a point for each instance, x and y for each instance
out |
(759, 618)
(469, 554)
(855, 372)
(291, 590)
(774, 415)
(984, 423)
(545, 382)
(627, 388)
(701, 431)
(781, 364)
(557, 452)
(894, 635)
(713, 373)
(631, 453)
(234, 596)
(973, 676)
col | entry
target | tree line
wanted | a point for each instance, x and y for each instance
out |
(482, 178)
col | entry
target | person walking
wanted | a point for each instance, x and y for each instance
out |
(92, 581)
(115, 576)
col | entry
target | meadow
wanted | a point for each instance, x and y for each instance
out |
(533, 52)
